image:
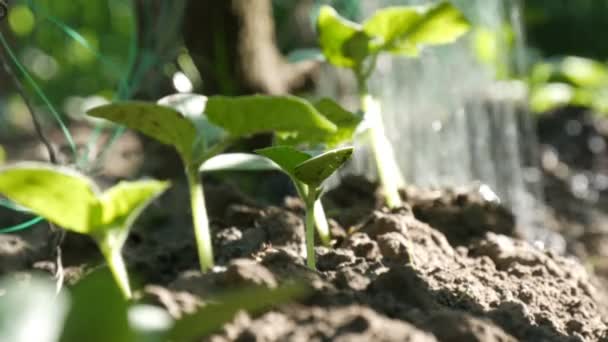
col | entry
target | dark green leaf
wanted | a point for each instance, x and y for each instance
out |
(315, 170)
(286, 157)
(211, 317)
(158, 122)
(247, 115)
(346, 122)
(98, 312)
(60, 195)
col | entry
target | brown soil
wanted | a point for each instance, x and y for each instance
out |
(389, 276)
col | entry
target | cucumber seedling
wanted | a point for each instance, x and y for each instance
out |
(71, 200)
(399, 30)
(308, 173)
(201, 128)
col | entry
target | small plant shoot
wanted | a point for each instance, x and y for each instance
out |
(201, 128)
(308, 173)
(401, 31)
(72, 201)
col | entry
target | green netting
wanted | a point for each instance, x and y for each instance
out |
(62, 49)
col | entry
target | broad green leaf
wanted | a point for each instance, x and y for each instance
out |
(158, 122)
(193, 106)
(334, 33)
(247, 115)
(346, 122)
(286, 157)
(315, 170)
(31, 311)
(98, 312)
(389, 25)
(58, 194)
(443, 23)
(238, 162)
(215, 314)
(124, 202)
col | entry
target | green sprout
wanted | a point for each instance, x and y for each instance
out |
(346, 124)
(308, 173)
(399, 30)
(71, 200)
(201, 128)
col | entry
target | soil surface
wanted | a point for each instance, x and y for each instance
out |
(389, 276)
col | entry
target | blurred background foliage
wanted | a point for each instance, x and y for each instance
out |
(81, 53)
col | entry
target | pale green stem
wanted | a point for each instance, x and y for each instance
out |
(382, 149)
(117, 266)
(310, 233)
(321, 222)
(318, 213)
(202, 233)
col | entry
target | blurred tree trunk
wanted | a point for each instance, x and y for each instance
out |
(233, 43)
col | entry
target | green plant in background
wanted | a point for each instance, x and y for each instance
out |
(569, 81)
(308, 173)
(72, 201)
(400, 30)
(201, 128)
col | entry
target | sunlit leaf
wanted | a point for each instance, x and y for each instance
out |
(443, 23)
(164, 124)
(238, 162)
(123, 203)
(334, 33)
(212, 316)
(286, 157)
(584, 72)
(315, 170)
(389, 25)
(58, 194)
(247, 115)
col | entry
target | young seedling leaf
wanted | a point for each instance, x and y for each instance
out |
(164, 124)
(315, 170)
(58, 194)
(286, 157)
(346, 122)
(193, 106)
(389, 26)
(123, 203)
(238, 162)
(334, 34)
(212, 316)
(441, 24)
(246, 115)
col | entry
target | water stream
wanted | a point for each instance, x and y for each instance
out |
(453, 124)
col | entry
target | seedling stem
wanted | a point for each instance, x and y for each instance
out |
(200, 219)
(382, 149)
